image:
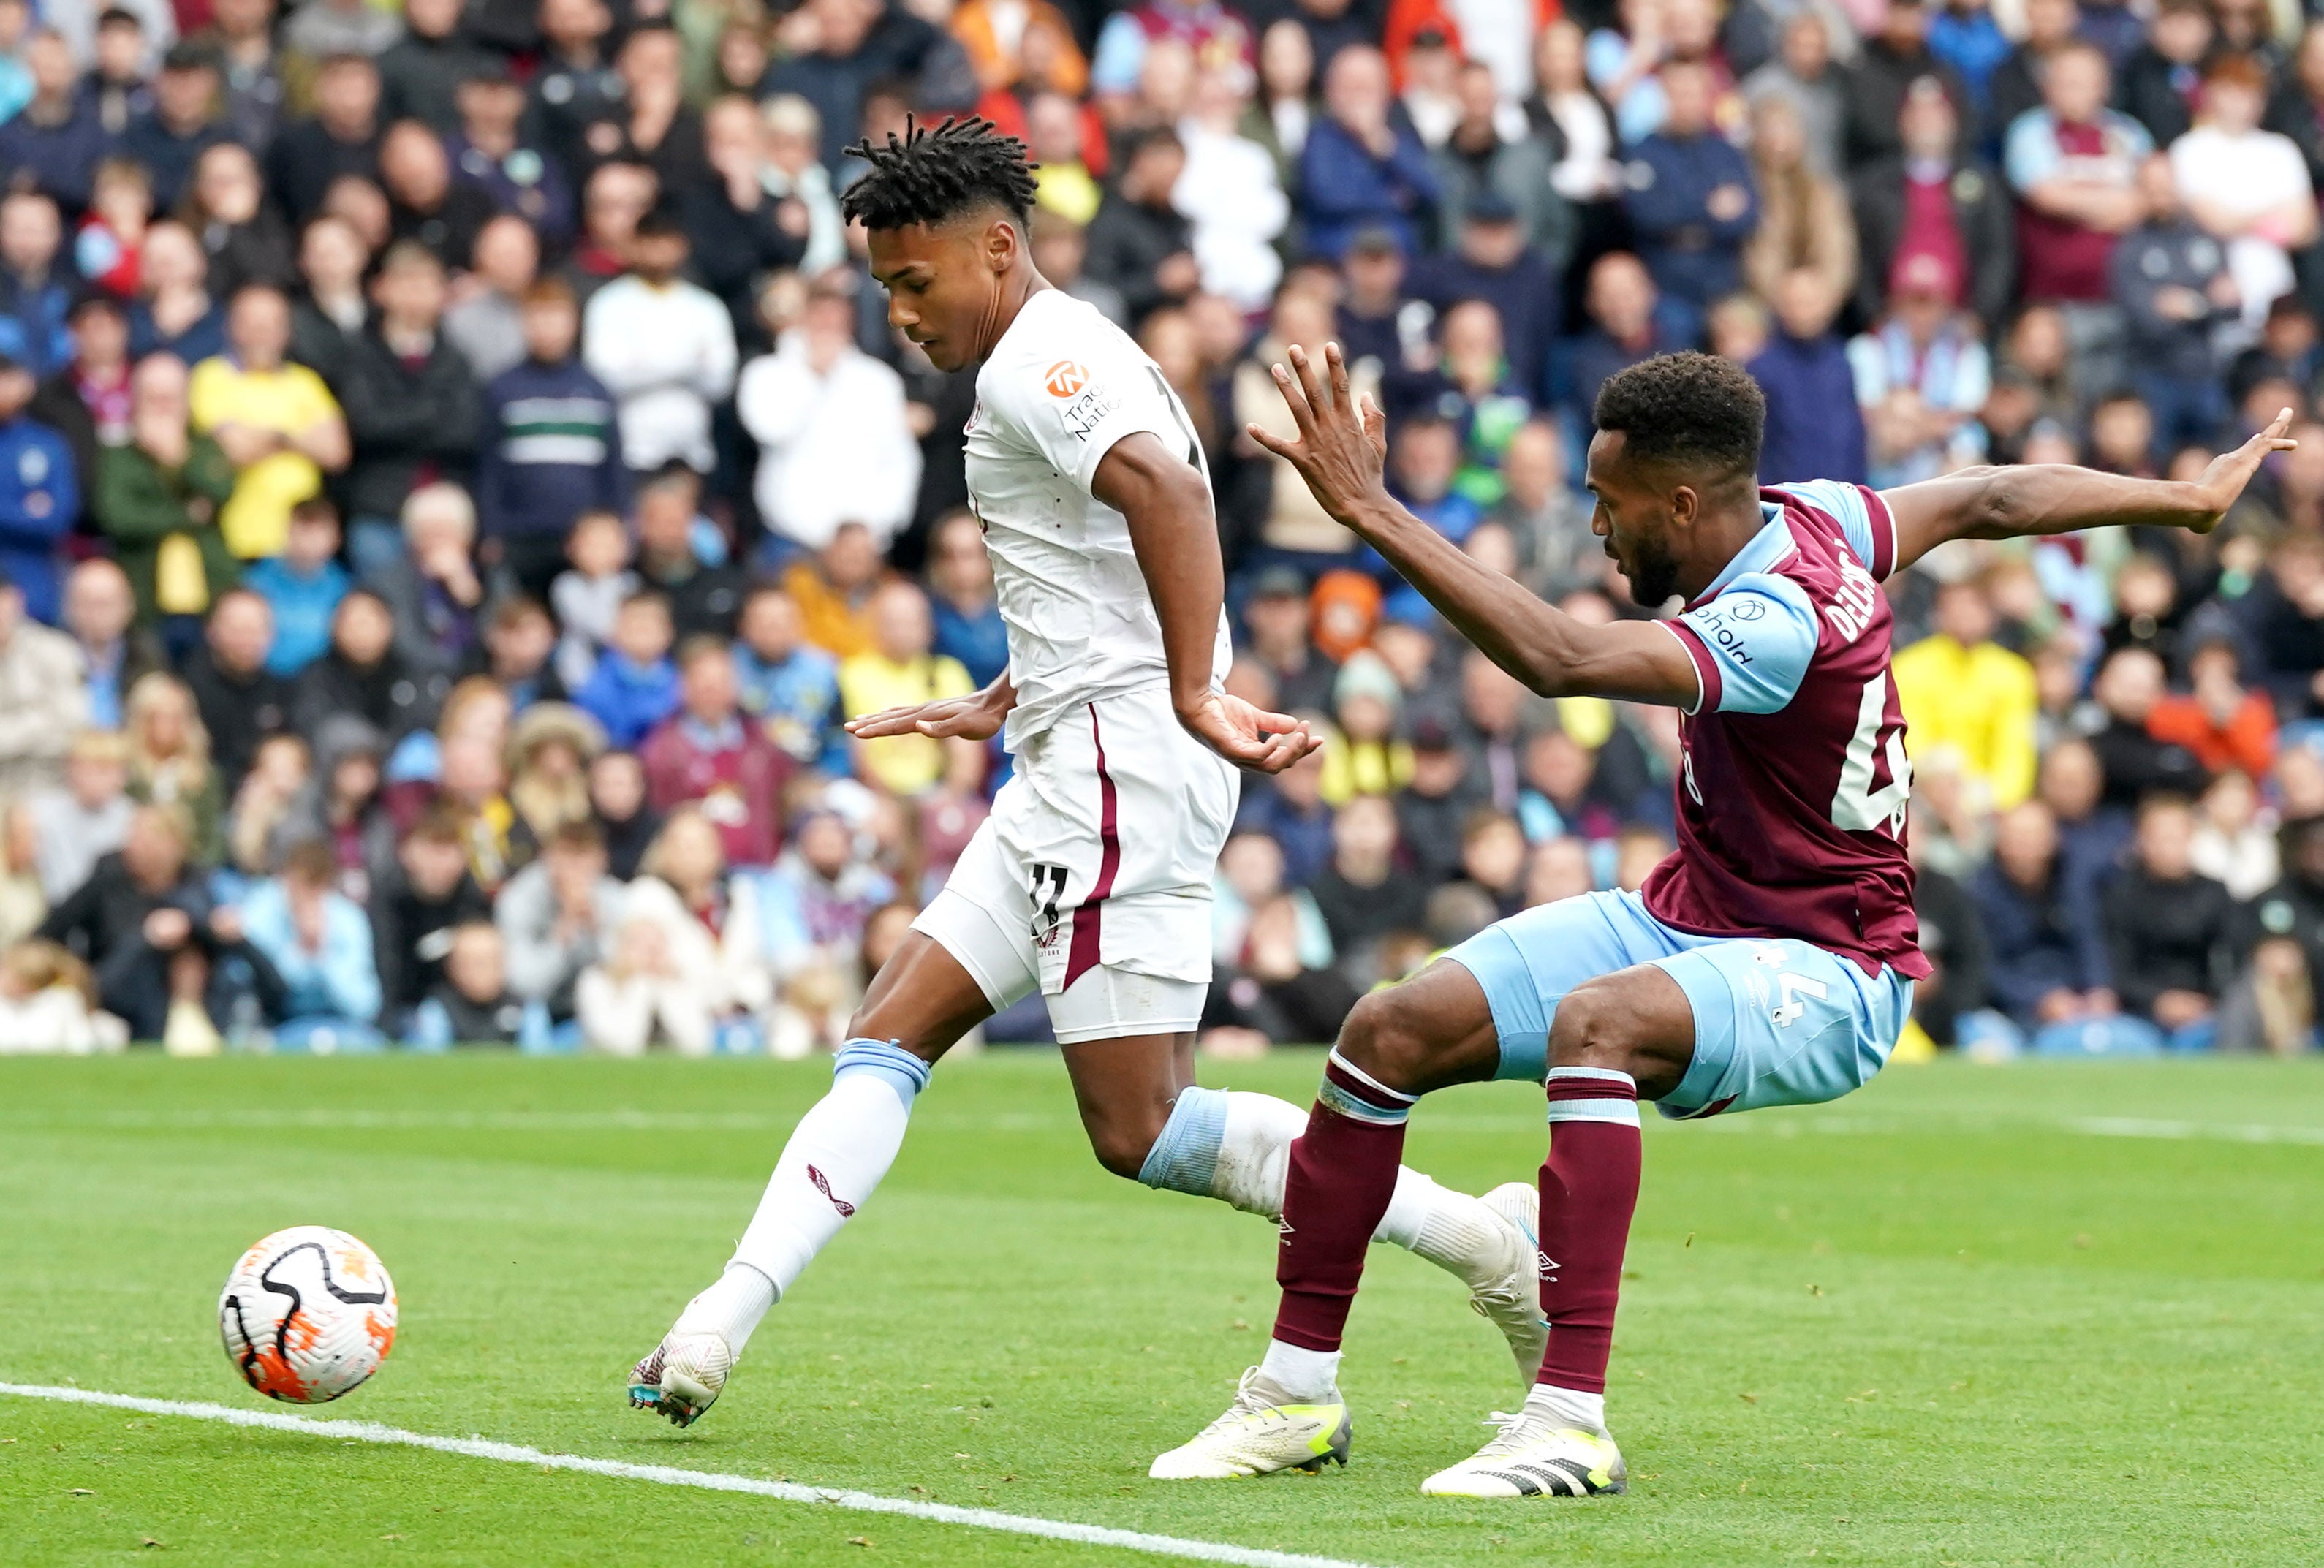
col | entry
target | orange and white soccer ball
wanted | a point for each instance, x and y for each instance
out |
(308, 1314)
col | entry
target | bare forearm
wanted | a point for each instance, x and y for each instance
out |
(1533, 642)
(2046, 498)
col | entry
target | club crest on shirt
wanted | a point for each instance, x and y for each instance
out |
(1064, 379)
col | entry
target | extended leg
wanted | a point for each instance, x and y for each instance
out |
(920, 1003)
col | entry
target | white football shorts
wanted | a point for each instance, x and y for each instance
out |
(1092, 878)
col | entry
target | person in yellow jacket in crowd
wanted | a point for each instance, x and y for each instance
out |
(1962, 689)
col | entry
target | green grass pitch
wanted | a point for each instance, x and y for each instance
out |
(2066, 1314)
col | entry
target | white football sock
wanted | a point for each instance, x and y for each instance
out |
(731, 1309)
(1304, 1376)
(1252, 1161)
(1553, 1407)
(836, 1159)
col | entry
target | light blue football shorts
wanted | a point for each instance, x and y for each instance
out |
(1777, 1022)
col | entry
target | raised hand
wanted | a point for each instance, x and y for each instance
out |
(1341, 448)
(1249, 737)
(2229, 472)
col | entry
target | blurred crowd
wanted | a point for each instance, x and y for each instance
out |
(456, 478)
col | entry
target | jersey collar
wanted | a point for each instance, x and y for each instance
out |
(1764, 551)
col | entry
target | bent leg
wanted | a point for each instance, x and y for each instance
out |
(1433, 1029)
(1614, 1039)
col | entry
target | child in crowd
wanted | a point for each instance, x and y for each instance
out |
(106, 246)
(617, 794)
(47, 1002)
(634, 685)
(472, 1005)
(638, 997)
(319, 941)
(304, 585)
(788, 683)
(588, 599)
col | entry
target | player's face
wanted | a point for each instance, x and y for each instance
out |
(944, 283)
(1635, 517)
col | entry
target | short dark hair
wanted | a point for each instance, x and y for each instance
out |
(661, 221)
(926, 176)
(1693, 410)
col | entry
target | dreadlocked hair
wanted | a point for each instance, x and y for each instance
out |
(927, 176)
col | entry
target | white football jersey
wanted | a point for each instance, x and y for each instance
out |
(1063, 385)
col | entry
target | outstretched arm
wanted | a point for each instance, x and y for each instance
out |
(2044, 498)
(1340, 453)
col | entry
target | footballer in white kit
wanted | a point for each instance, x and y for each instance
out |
(1091, 880)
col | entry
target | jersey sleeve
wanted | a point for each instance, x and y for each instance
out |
(1073, 400)
(1750, 645)
(1863, 516)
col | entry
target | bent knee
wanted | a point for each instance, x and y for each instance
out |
(1121, 1147)
(1605, 1022)
(1386, 1038)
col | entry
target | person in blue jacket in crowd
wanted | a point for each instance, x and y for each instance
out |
(40, 494)
(1363, 166)
(1691, 198)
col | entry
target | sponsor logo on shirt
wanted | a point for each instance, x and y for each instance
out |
(1088, 411)
(1064, 379)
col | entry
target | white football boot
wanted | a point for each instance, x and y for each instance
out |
(683, 1377)
(1531, 1458)
(1512, 1301)
(1261, 1432)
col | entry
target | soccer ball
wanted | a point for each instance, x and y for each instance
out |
(307, 1314)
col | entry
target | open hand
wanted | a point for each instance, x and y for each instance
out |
(1341, 448)
(977, 716)
(2229, 472)
(1249, 737)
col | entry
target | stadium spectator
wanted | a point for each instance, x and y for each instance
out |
(474, 1004)
(1361, 895)
(1814, 428)
(54, 142)
(2048, 942)
(319, 942)
(490, 151)
(174, 312)
(1804, 221)
(2247, 187)
(681, 555)
(419, 75)
(2221, 722)
(705, 756)
(898, 670)
(157, 496)
(431, 587)
(100, 614)
(39, 493)
(663, 346)
(276, 422)
(1360, 168)
(362, 673)
(1961, 689)
(834, 443)
(305, 156)
(488, 325)
(1921, 377)
(302, 586)
(633, 685)
(2134, 760)
(558, 917)
(2167, 928)
(1493, 261)
(412, 408)
(148, 930)
(1628, 322)
(1139, 245)
(1691, 201)
(84, 820)
(1875, 88)
(35, 301)
(43, 699)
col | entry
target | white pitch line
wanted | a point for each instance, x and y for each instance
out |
(705, 1480)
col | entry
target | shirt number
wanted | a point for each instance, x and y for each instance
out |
(1856, 805)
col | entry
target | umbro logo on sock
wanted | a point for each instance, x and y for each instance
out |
(846, 1210)
(1283, 1228)
(1548, 1266)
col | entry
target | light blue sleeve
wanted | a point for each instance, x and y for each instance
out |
(1845, 502)
(2029, 154)
(1119, 55)
(1759, 636)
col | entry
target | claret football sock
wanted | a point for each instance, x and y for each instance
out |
(1236, 1147)
(836, 1159)
(1588, 1191)
(1342, 1177)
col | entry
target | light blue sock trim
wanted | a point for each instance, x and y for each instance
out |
(1187, 1156)
(888, 1061)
